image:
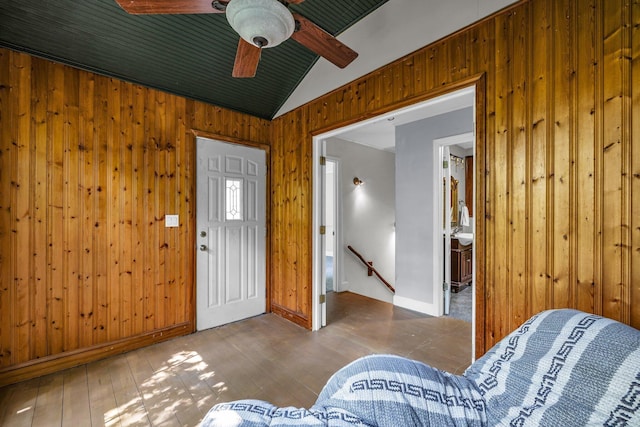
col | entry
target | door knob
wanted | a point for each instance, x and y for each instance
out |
(203, 247)
(203, 234)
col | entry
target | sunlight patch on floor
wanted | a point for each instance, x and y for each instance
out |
(171, 392)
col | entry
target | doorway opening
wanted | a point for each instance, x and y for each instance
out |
(454, 204)
(429, 299)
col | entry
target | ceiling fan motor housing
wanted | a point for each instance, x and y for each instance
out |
(264, 23)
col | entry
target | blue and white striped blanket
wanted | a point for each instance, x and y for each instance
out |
(560, 368)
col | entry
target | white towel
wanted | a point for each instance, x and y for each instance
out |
(464, 217)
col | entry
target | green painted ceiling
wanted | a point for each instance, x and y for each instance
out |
(188, 55)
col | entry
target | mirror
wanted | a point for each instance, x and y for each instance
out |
(454, 202)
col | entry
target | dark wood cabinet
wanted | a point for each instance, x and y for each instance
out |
(461, 265)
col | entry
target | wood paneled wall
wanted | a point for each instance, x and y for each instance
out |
(559, 132)
(89, 167)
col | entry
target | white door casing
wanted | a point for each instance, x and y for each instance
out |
(446, 173)
(323, 237)
(231, 233)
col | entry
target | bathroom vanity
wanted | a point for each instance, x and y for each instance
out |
(461, 263)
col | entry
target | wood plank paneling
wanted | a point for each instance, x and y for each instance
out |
(484, 59)
(89, 168)
(538, 158)
(635, 169)
(519, 172)
(26, 290)
(159, 183)
(626, 287)
(71, 210)
(498, 227)
(125, 228)
(54, 205)
(612, 159)
(100, 254)
(86, 148)
(138, 219)
(6, 220)
(114, 196)
(560, 172)
(39, 238)
(560, 179)
(480, 246)
(587, 285)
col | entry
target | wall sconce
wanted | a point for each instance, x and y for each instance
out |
(357, 181)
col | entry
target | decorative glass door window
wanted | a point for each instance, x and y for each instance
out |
(233, 199)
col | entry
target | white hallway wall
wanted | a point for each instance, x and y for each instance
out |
(415, 195)
(368, 216)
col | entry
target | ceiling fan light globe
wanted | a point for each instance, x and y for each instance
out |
(258, 21)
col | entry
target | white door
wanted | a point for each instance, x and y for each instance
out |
(231, 229)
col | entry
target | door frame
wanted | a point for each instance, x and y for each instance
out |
(194, 237)
(477, 81)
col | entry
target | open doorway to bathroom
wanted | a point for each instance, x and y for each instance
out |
(454, 203)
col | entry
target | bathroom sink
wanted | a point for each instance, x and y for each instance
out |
(463, 238)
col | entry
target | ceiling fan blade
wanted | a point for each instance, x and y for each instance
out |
(324, 44)
(141, 7)
(247, 58)
(294, 1)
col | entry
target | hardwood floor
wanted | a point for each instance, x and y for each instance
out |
(174, 383)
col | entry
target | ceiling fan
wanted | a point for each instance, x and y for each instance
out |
(260, 24)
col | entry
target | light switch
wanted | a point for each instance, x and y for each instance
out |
(171, 221)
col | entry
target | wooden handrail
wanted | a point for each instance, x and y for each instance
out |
(369, 265)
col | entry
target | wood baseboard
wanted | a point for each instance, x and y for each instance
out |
(59, 362)
(292, 316)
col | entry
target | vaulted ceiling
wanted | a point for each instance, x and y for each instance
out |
(193, 55)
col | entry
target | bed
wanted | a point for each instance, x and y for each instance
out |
(560, 368)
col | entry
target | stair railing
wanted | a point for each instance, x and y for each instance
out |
(371, 269)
